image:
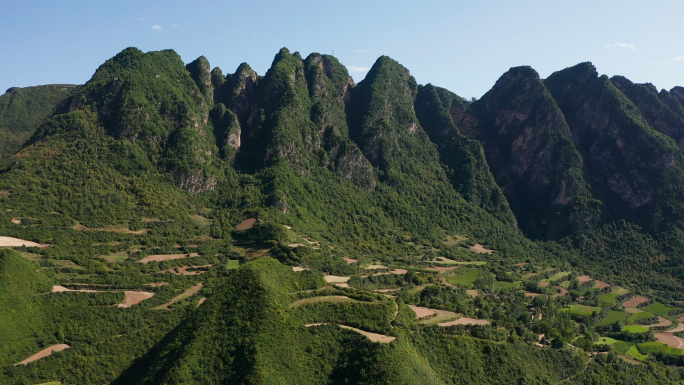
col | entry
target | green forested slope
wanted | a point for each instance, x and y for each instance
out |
(22, 110)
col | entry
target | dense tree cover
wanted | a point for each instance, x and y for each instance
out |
(22, 110)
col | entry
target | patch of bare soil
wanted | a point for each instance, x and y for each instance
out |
(543, 284)
(521, 264)
(336, 279)
(375, 337)
(299, 268)
(632, 310)
(478, 248)
(472, 292)
(375, 267)
(345, 285)
(158, 284)
(422, 312)
(635, 301)
(670, 340)
(351, 260)
(16, 242)
(43, 353)
(465, 321)
(183, 270)
(293, 245)
(201, 301)
(134, 298)
(679, 328)
(662, 321)
(4, 193)
(246, 224)
(442, 316)
(441, 270)
(584, 278)
(16, 221)
(166, 257)
(601, 284)
(62, 289)
(531, 294)
(188, 293)
(681, 319)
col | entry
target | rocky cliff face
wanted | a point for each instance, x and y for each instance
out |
(529, 149)
(629, 165)
(555, 157)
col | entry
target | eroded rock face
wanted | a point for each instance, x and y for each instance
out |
(629, 165)
(530, 152)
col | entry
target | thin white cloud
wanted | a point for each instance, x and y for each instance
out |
(621, 45)
(679, 58)
(370, 51)
(358, 69)
(175, 25)
(156, 26)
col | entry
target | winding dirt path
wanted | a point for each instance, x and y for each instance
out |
(188, 293)
(43, 353)
(375, 337)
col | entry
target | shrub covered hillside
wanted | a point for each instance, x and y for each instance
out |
(22, 110)
(174, 224)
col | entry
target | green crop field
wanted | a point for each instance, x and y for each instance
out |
(659, 348)
(635, 329)
(612, 317)
(605, 341)
(583, 310)
(634, 353)
(658, 308)
(464, 277)
(608, 299)
(503, 285)
(639, 316)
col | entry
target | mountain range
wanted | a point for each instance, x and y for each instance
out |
(577, 173)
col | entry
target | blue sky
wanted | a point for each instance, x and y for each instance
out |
(463, 46)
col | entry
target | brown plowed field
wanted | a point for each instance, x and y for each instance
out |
(635, 301)
(44, 353)
(134, 298)
(670, 340)
(601, 284)
(16, 242)
(62, 289)
(584, 278)
(336, 279)
(478, 248)
(465, 321)
(166, 257)
(422, 312)
(662, 322)
(246, 224)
